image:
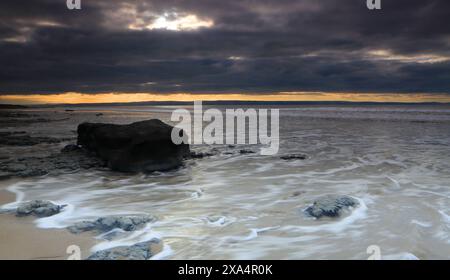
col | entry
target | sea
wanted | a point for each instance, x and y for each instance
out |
(394, 159)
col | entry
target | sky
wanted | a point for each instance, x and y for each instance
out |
(210, 49)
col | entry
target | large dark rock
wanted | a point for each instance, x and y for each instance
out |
(331, 206)
(139, 251)
(144, 146)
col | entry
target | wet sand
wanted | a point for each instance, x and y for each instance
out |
(6, 197)
(22, 240)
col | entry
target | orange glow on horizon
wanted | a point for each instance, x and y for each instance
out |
(79, 98)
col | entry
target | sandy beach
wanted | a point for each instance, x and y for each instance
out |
(27, 242)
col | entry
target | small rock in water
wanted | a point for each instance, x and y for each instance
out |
(331, 206)
(199, 155)
(297, 193)
(70, 148)
(105, 224)
(242, 152)
(39, 208)
(139, 251)
(294, 157)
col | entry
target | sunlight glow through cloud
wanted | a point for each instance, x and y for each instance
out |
(174, 22)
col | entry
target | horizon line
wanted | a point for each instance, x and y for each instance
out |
(216, 102)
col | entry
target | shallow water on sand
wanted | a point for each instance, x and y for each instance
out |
(395, 161)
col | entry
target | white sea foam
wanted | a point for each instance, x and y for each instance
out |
(406, 256)
(422, 224)
(141, 235)
(252, 235)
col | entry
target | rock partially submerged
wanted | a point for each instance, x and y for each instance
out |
(144, 146)
(139, 251)
(71, 148)
(294, 157)
(200, 155)
(243, 152)
(331, 206)
(39, 208)
(105, 224)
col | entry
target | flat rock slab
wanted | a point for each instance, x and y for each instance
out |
(39, 208)
(71, 158)
(105, 224)
(294, 157)
(13, 119)
(244, 152)
(139, 251)
(331, 206)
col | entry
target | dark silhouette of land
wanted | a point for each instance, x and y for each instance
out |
(11, 106)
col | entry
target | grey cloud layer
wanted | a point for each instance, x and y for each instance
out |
(255, 46)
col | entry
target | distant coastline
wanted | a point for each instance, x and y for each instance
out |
(12, 106)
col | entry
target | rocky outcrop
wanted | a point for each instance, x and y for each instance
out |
(105, 224)
(144, 146)
(39, 208)
(331, 206)
(14, 118)
(139, 251)
(20, 138)
(70, 159)
(140, 147)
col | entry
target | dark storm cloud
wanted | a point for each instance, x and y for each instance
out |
(276, 45)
